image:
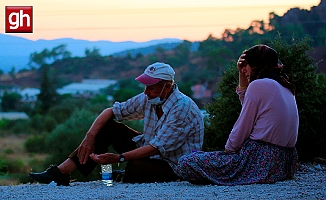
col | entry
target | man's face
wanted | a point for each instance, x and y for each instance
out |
(154, 91)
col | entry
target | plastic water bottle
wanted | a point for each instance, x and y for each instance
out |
(107, 174)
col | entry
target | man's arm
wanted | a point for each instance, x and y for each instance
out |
(87, 145)
(141, 152)
(100, 121)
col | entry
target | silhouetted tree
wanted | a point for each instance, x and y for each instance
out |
(48, 95)
(46, 56)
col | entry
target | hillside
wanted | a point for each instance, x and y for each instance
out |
(105, 67)
(16, 50)
(200, 62)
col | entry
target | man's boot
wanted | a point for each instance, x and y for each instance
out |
(51, 174)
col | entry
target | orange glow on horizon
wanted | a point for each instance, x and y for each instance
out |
(146, 20)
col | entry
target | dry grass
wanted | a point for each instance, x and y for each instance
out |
(12, 149)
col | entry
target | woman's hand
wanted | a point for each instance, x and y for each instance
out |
(86, 148)
(242, 61)
(105, 158)
(243, 80)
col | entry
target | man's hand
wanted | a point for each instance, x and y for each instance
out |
(85, 148)
(105, 158)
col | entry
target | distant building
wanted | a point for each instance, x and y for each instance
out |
(86, 87)
(13, 115)
(201, 92)
(29, 94)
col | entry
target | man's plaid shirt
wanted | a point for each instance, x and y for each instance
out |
(179, 131)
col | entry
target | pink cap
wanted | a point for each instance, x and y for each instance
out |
(147, 80)
(155, 73)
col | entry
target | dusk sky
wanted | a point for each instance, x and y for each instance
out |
(143, 20)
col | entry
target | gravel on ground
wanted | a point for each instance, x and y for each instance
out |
(309, 183)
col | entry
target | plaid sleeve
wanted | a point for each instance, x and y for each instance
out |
(132, 109)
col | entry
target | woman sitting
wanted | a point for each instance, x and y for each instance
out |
(261, 145)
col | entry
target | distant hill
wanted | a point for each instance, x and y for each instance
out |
(194, 64)
(151, 49)
(15, 51)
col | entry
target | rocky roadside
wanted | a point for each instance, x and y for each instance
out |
(309, 183)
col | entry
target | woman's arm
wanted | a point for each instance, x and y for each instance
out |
(245, 122)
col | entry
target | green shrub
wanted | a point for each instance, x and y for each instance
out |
(3, 123)
(15, 126)
(60, 114)
(15, 166)
(64, 110)
(9, 151)
(3, 165)
(310, 97)
(49, 123)
(35, 144)
(36, 164)
(42, 123)
(223, 112)
(11, 166)
(36, 122)
(67, 136)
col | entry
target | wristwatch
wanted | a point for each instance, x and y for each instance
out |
(122, 158)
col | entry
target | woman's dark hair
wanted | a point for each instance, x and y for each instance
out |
(264, 63)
